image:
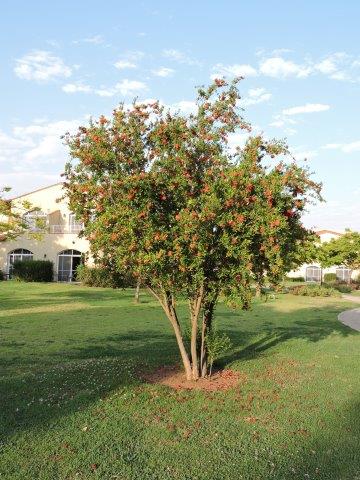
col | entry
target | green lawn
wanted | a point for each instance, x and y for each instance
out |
(72, 405)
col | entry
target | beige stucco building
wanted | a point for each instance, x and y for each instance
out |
(60, 243)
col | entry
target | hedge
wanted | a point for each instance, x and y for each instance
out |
(33, 270)
(103, 277)
(330, 277)
(314, 291)
(295, 279)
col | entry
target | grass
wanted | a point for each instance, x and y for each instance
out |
(72, 405)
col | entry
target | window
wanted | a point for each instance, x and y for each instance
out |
(343, 274)
(74, 225)
(16, 255)
(68, 261)
(35, 220)
(313, 274)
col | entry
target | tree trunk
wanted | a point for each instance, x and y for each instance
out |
(195, 308)
(168, 305)
(258, 290)
(205, 330)
(137, 292)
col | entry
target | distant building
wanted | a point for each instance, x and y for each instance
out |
(60, 243)
(314, 273)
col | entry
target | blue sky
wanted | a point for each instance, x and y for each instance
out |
(64, 61)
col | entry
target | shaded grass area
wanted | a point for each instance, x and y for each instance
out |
(72, 405)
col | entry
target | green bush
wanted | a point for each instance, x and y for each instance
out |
(2, 276)
(314, 291)
(343, 288)
(330, 277)
(103, 277)
(33, 270)
(217, 344)
(295, 279)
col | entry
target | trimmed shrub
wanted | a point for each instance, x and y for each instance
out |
(314, 291)
(344, 288)
(330, 277)
(295, 279)
(33, 270)
(103, 277)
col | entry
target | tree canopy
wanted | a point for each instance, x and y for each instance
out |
(344, 250)
(163, 196)
(12, 220)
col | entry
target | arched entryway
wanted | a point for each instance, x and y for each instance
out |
(19, 254)
(68, 261)
(343, 274)
(313, 273)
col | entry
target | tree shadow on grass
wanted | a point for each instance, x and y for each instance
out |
(76, 380)
(253, 343)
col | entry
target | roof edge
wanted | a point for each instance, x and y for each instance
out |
(319, 232)
(37, 190)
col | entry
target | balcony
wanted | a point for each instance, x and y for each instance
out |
(58, 229)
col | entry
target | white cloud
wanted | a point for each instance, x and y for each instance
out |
(125, 87)
(95, 39)
(255, 96)
(41, 66)
(277, 123)
(335, 215)
(184, 106)
(234, 70)
(344, 147)
(124, 64)
(308, 108)
(34, 155)
(327, 66)
(277, 67)
(163, 72)
(76, 87)
(305, 154)
(180, 57)
(236, 140)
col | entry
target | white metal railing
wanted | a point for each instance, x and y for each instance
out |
(65, 228)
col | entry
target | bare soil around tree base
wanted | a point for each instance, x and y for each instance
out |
(174, 377)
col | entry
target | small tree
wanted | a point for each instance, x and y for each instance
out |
(344, 250)
(162, 196)
(12, 221)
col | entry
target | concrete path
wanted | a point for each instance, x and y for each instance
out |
(351, 318)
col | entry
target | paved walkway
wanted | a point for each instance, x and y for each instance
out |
(351, 318)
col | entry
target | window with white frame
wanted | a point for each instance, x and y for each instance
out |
(313, 274)
(75, 226)
(35, 220)
(68, 261)
(20, 254)
(343, 274)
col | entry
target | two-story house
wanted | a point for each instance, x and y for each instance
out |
(60, 243)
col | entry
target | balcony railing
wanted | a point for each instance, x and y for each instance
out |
(65, 229)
